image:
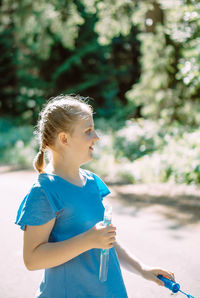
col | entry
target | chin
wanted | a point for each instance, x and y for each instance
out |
(86, 161)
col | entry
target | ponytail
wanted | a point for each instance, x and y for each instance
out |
(59, 114)
(38, 162)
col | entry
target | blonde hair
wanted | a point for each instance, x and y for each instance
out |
(59, 114)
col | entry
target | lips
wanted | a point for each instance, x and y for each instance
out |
(91, 148)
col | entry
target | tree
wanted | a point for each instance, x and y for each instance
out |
(169, 84)
(92, 47)
(59, 52)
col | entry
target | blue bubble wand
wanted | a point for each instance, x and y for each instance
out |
(104, 260)
(173, 286)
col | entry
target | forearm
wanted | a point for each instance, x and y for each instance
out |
(129, 262)
(52, 254)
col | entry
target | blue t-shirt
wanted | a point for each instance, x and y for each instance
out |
(77, 209)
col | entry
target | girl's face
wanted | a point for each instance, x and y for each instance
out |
(82, 140)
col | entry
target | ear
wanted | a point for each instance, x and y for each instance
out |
(63, 139)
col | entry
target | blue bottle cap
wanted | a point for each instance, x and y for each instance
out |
(173, 286)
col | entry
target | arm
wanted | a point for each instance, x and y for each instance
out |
(38, 253)
(129, 262)
(133, 265)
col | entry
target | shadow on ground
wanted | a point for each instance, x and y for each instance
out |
(180, 203)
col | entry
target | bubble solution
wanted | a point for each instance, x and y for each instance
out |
(173, 286)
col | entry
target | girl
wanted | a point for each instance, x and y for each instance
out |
(62, 214)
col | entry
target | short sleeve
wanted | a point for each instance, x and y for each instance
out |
(103, 189)
(35, 209)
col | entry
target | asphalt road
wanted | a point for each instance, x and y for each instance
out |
(159, 224)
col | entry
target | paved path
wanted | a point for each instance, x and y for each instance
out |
(160, 224)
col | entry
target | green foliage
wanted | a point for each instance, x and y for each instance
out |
(66, 47)
(16, 146)
(152, 91)
(93, 48)
(178, 162)
(58, 51)
(8, 80)
(169, 84)
(170, 81)
(172, 153)
(135, 140)
(138, 152)
(115, 15)
(19, 155)
(42, 22)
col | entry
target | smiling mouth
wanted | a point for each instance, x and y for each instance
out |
(91, 148)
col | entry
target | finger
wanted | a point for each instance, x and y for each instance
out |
(112, 226)
(172, 276)
(112, 239)
(154, 278)
(159, 282)
(111, 230)
(111, 234)
(167, 274)
(111, 244)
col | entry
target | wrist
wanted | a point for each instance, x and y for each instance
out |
(144, 270)
(141, 269)
(88, 240)
(138, 267)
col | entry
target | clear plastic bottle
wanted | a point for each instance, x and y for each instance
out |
(104, 260)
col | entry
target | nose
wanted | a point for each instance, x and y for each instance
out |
(95, 136)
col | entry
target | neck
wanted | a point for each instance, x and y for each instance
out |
(67, 169)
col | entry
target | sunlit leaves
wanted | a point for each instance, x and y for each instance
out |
(115, 15)
(170, 80)
(38, 23)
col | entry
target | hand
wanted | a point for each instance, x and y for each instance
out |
(101, 236)
(152, 273)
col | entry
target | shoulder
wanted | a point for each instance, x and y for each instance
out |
(102, 187)
(49, 184)
(40, 192)
(36, 208)
(45, 184)
(35, 193)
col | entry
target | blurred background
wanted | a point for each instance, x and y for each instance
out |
(139, 62)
